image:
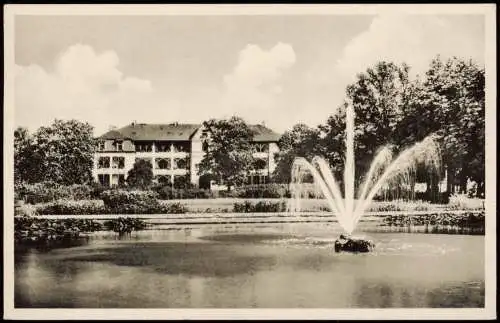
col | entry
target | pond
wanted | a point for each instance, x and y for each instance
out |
(253, 266)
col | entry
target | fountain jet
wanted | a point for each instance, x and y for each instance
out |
(384, 172)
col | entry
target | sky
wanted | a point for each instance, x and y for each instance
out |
(276, 70)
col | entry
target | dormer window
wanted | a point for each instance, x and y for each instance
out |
(119, 146)
(101, 146)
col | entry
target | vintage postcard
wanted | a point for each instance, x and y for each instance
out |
(250, 162)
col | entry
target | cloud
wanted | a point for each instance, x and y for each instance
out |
(413, 39)
(251, 88)
(89, 86)
(83, 84)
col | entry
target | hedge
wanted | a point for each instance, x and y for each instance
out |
(466, 219)
(68, 207)
(95, 207)
(47, 191)
(262, 206)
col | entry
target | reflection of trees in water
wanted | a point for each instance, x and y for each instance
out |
(41, 282)
(25, 247)
(457, 295)
(445, 295)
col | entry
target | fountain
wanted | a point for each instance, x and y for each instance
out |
(384, 173)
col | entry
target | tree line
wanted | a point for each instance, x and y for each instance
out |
(448, 101)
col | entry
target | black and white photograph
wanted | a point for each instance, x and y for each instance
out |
(250, 161)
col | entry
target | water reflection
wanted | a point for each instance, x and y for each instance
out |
(451, 295)
(260, 267)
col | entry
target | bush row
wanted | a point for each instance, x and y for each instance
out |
(48, 191)
(264, 191)
(262, 206)
(466, 219)
(66, 207)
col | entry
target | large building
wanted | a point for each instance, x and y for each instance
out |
(174, 150)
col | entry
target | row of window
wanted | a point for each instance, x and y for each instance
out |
(167, 180)
(148, 147)
(259, 148)
(159, 163)
(111, 180)
(166, 163)
(115, 162)
(119, 179)
(116, 146)
(257, 179)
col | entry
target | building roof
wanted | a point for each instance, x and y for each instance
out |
(262, 133)
(144, 132)
(176, 132)
(113, 134)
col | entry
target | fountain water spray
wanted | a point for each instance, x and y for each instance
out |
(384, 172)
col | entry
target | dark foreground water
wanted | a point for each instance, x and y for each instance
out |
(277, 266)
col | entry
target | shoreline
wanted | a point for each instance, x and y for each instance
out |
(251, 217)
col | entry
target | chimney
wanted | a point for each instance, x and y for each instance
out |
(134, 123)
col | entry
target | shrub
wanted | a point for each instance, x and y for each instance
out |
(138, 202)
(243, 207)
(172, 208)
(169, 193)
(261, 206)
(130, 202)
(216, 210)
(93, 207)
(248, 191)
(48, 191)
(79, 192)
(69, 207)
(262, 191)
(462, 220)
(96, 189)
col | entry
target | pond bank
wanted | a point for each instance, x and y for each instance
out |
(283, 216)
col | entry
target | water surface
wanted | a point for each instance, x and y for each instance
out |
(244, 266)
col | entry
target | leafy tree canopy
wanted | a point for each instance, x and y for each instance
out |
(141, 175)
(62, 153)
(229, 152)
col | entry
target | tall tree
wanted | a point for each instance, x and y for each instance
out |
(26, 161)
(228, 150)
(141, 174)
(66, 152)
(300, 141)
(378, 96)
(450, 101)
(61, 153)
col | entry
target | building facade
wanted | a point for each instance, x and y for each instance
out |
(174, 151)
